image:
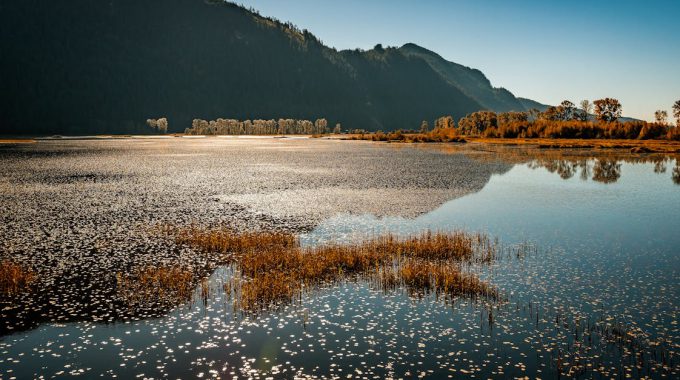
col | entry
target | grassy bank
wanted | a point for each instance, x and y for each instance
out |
(636, 146)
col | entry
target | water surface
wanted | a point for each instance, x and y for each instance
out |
(597, 241)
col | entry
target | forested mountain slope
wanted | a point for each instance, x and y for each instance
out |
(105, 66)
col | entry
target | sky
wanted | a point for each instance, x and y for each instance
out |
(548, 51)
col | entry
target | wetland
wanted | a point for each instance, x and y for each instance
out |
(292, 257)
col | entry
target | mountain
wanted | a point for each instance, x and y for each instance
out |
(470, 81)
(532, 104)
(105, 66)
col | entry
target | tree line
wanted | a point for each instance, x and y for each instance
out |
(259, 127)
(565, 121)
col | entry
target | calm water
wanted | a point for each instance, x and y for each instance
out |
(590, 252)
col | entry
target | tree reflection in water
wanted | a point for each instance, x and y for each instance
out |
(606, 170)
(660, 167)
(602, 166)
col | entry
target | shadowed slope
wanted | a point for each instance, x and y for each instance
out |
(85, 66)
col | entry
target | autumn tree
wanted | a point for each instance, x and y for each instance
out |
(661, 116)
(444, 122)
(568, 110)
(477, 122)
(512, 117)
(676, 112)
(551, 113)
(607, 109)
(564, 112)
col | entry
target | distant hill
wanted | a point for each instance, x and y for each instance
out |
(105, 66)
(532, 104)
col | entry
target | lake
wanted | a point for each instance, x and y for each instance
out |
(589, 270)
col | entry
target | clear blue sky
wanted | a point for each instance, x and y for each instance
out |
(544, 50)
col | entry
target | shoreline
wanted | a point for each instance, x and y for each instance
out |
(636, 146)
(653, 146)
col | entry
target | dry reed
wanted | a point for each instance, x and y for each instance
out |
(273, 268)
(14, 278)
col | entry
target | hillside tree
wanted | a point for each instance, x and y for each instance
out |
(552, 113)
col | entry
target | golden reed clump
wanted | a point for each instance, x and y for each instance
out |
(14, 278)
(273, 268)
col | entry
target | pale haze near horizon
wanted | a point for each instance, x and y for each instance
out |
(545, 51)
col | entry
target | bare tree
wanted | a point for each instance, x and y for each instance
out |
(676, 112)
(661, 116)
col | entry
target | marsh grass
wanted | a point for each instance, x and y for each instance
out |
(442, 279)
(14, 278)
(272, 268)
(437, 135)
(149, 286)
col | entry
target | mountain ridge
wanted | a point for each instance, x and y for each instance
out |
(105, 67)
